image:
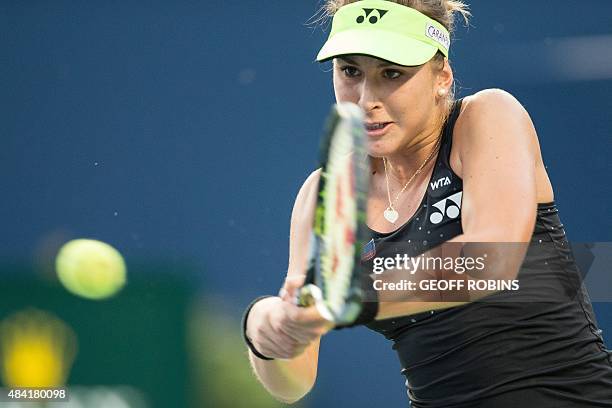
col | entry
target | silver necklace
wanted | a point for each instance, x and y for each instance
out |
(391, 213)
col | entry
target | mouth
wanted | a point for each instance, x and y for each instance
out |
(377, 129)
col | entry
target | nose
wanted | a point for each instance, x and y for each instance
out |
(369, 98)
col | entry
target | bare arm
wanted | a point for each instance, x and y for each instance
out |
(287, 379)
(293, 375)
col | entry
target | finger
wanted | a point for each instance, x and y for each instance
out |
(295, 280)
(289, 327)
(288, 295)
(303, 337)
(268, 339)
(291, 348)
(309, 333)
(282, 293)
(307, 316)
(290, 337)
(299, 332)
(277, 347)
(292, 285)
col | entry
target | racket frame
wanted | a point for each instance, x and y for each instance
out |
(318, 293)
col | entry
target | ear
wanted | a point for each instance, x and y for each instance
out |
(444, 77)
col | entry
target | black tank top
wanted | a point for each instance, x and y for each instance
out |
(541, 349)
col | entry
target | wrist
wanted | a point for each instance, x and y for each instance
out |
(258, 314)
(245, 320)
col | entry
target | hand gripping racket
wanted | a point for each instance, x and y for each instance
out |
(339, 228)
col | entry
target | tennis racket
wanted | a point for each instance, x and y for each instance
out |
(339, 227)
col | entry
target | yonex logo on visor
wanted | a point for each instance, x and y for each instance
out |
(372, 19)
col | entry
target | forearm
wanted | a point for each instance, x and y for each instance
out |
(288, 380)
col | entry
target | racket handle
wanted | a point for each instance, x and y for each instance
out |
(311, 295)
(305, 296)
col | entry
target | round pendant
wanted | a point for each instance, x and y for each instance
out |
(391, 215)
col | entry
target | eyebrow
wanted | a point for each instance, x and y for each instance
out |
(352, 61)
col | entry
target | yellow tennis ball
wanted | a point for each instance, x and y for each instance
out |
(91, 269)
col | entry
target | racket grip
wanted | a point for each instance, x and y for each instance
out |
(311, 295)
(305, 296)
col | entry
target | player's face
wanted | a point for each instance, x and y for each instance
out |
(399, 102)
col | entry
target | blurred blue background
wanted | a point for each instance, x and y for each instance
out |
(181, 131)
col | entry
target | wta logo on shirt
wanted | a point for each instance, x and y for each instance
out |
(441, 182)
(448, 207)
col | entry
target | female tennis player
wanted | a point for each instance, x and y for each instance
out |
(443, 171)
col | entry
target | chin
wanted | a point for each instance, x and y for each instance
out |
(380, 148)
(374, 150)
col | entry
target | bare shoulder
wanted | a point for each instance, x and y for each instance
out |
(492, 104)
(492, 115)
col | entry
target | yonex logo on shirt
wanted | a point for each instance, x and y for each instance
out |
(372, 18)
(450, 206)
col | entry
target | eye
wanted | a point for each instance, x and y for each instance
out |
(391, 74)
(350, 71)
